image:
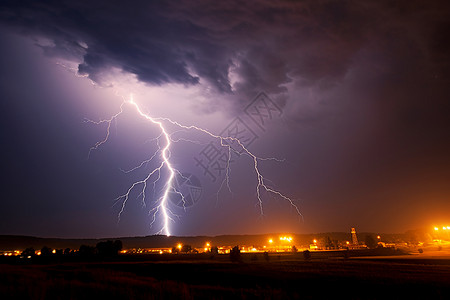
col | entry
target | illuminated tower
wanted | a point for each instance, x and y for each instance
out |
(354, 238)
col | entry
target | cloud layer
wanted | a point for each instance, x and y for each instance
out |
(239, 47)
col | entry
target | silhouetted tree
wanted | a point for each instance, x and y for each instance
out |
(67, 251)
(294, 249)
(109, 248)
(235, 254)
(328, 243)
(335, 244)
(175, 250)
(46, 251)
(186, 248)
(29, 252)
(118, 245)
(370, 241)
(214, 250)
(266, 256)
(86, 251)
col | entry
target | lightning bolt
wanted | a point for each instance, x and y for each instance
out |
(108, 129)
(161, 205)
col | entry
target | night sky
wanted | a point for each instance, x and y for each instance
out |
(351, 97)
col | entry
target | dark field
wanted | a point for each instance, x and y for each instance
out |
(200, 277)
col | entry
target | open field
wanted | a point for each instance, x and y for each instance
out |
(201, 277)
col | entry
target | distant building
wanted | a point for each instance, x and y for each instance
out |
(354, 237)
(355, 244)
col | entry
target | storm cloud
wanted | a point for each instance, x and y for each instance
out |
(238, 47)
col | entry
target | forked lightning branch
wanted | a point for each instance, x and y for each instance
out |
(160, 211)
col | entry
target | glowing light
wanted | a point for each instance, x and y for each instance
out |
(161, 205)
(179, 246)
(315, 241)
(286, 238)
(270, 241)
(378, 237)
(435, 228)
(444, 228)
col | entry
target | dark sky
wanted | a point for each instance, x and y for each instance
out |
(359, 120)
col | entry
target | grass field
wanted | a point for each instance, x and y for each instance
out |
(200, 277)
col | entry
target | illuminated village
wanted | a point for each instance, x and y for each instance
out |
(437, 239)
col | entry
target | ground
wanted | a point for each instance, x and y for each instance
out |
(254, 277)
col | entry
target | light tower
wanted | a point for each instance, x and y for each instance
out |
(354, 238)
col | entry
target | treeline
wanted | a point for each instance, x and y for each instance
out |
(101, 249)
